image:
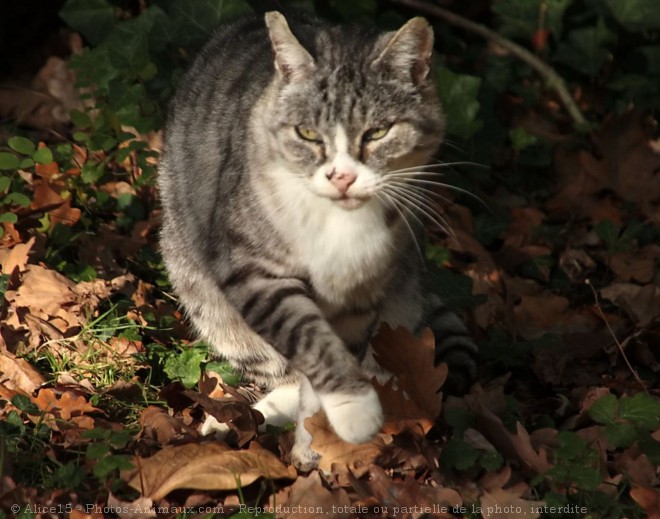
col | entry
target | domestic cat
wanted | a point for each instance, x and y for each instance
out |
(292, 216)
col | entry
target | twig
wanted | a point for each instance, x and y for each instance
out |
(553, 79)
(609, 328)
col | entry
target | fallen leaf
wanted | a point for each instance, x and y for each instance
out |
(642, 304)
(400, 411)
(64, 410)
(307, 498)
(413, 362)
(158, 424)
(537, 315)
(338, 453)
(18, 374)
(508, 504)
(205, 466)
(16, 257)
(141, 508)
(648, 499)
(409, 499)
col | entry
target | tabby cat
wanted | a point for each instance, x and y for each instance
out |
(292, 210)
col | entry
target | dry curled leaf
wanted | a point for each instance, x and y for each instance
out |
(307, 498)
(648, 499)
(205, 466)
(412, 360)
(335, 451)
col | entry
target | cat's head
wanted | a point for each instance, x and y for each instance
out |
(351, 108)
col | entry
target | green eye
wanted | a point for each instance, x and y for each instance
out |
(308, 134)
(373, 134)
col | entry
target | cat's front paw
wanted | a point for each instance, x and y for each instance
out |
(304, 458)
(356, 418)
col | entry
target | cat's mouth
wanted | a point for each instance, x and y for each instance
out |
(350, 202)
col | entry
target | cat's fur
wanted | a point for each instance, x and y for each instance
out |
(287, 235)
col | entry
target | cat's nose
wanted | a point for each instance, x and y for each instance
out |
(342, 180)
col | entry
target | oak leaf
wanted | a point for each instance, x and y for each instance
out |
(18, 374)
(413, 362)
(205, 466)
(337, 454)
(307, 498)
(648, 499)
(16, 257)
(508, 504)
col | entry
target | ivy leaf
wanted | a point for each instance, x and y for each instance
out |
(587, 49)
(224, 369)
(640, 409)
(459, 455)
(458, 94)
(192, 21)
(520, 18)
(635, 15)
(621, 435)
(603, 411)
(94, 19)
(185, 366)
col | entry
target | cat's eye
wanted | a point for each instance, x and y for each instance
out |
(374, 134)
(308, 134)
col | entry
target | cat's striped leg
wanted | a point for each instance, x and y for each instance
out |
(282, 312)
(453, 345)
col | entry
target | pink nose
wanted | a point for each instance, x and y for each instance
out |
(342, 180)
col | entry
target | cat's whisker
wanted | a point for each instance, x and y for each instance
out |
(445, 185)
(423, 206)
(422, 190)
(388, 199)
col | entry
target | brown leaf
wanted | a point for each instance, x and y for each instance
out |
(64, 410)
(400, 411)
(16, 257)
(507, 504)
(544, 313)
(239, 416)
(307, 498)
(205, 466)
(642, 304)
(413, 362)
(157, 424)
(648, 499)
(409, 499)
(334, 451)
(636, 265)
(18, 374)
(141, 508)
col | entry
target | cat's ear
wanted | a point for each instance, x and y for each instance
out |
(408, 51)
(292, 61)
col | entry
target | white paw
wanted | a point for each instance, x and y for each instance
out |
(356, 418)
(212, 426)
(304, 458)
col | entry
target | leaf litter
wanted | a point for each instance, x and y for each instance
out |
(560, 341)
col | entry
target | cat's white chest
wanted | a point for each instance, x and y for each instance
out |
(344, 249)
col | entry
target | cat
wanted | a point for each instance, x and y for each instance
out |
(292, 213)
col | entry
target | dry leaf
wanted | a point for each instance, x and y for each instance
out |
(157, 424)
(409, 499)
(18, 374)
(413, 362)
(205, 466)
(141, 508)
(16, 257)
(400, 411)
(642, 304)
(648, 499)
(307, 498)
(334, 451)
(507, 504)
(62, 411)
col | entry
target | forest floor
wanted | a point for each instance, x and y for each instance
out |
(103, 389)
